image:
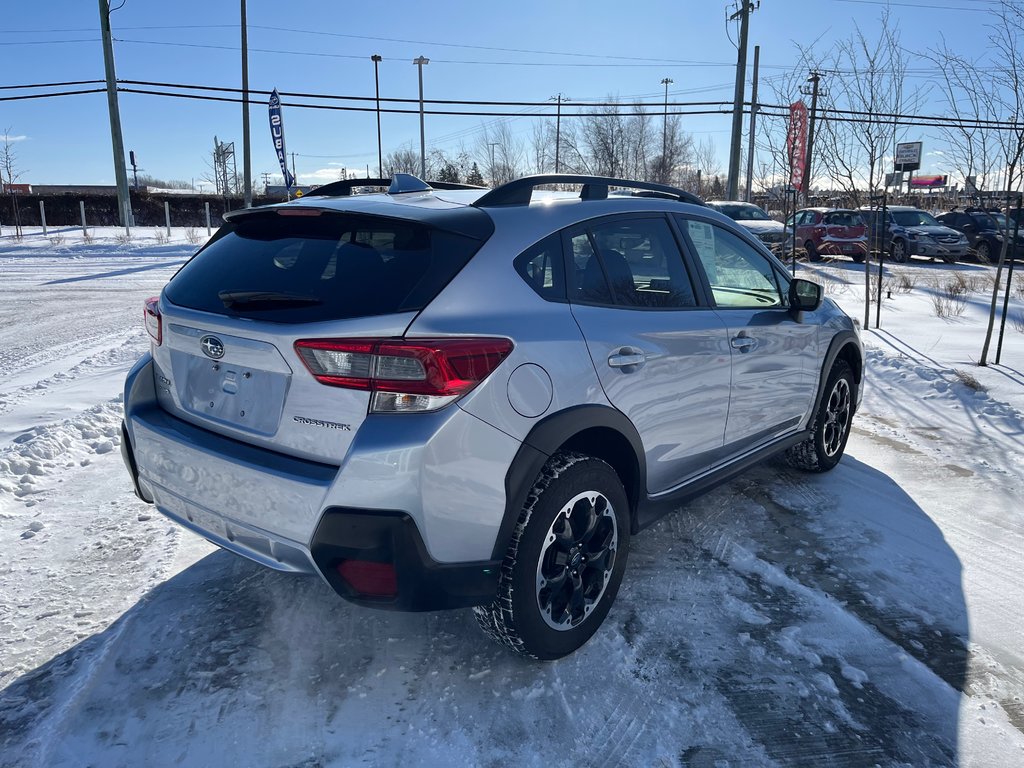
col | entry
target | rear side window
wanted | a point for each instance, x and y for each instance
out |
(543, 268)
(637, 264)
(299, 269)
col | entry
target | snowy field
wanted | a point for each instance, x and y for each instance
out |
(871, 616)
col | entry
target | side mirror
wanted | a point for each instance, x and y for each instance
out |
(804, 296)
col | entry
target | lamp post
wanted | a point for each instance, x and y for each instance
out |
(376, 59)
(419, 62)
(666, 81)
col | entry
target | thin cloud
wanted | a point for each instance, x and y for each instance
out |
(12, 139)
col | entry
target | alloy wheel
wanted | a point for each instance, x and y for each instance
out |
(577, 559)
(837, 417)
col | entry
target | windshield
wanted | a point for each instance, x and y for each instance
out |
(742, 212)
(915, 219)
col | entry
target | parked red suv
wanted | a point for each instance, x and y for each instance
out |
(829, 232)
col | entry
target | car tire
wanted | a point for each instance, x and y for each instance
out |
(830, 429)
(584, 561)
(983, 253)
(898, 251)
(812, 252)
(858, 258)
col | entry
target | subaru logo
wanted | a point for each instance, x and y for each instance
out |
(212, 347)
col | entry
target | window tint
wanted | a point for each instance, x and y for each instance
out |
(740, 277)
(843, 219)
(638, 265)
(302, 269)
(543, 268)
(914, 218)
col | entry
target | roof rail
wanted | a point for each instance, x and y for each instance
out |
(344, 188)
(520, 191)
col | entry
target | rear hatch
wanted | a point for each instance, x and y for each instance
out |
(228, 322)
(844, 225)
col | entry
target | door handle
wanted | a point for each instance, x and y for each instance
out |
(627, 357)
(744, 343)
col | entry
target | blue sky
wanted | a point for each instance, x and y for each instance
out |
(549, 47)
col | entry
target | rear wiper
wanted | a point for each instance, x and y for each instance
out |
(266, 299)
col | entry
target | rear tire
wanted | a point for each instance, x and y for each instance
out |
(812, 252)
(983, 253)
(830, 428)
(565, 562)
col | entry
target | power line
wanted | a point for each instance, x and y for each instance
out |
(25, 97)
(48, 85)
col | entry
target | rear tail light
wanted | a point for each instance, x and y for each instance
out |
(152, 319)
(369, 579)
(404, 376)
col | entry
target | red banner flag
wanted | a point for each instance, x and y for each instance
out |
(796, 143)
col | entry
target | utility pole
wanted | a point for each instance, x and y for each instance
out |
(743, 14)
(117, 142)
(666, 81)
(813, 79)
(246, 149)
(377, 59)
(294, 172)
(419, 62)
(753, 124)
(559, 98)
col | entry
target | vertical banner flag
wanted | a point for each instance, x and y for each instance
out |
(277, 134)
(796, 143)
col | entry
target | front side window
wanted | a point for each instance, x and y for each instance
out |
(740, 277)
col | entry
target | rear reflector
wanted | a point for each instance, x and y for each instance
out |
(370, 579)
(151, 317)
(404, 375)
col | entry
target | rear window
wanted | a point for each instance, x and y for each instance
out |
(844, 219)
(299, 269)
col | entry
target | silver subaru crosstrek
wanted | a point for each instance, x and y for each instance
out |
(439, 398)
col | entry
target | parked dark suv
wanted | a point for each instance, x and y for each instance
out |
(442, 398)
(983, 232)
(907, 231)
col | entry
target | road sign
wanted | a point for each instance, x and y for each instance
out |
(908, 156)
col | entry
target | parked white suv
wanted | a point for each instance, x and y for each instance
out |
(447, 398)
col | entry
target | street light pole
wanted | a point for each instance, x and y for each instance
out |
(419, 62)
(376, 58)
(666, 81)
(492, 145)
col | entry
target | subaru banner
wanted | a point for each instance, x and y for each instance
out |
(277, 134)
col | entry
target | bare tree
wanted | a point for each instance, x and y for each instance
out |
(870, 80)
(501, 152)
(967, 90)
(10, 172)
(1007, 70)
(402, 160)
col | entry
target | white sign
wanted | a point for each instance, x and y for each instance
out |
(908, 156)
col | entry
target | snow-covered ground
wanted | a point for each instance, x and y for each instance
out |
(868, 616)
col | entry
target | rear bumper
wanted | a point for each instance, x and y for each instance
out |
(416, 493)
(843, 247)
(392, 537)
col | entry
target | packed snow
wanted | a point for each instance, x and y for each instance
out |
(866, 616)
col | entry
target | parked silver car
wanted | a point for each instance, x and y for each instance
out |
(446, 398)
(751, 217)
